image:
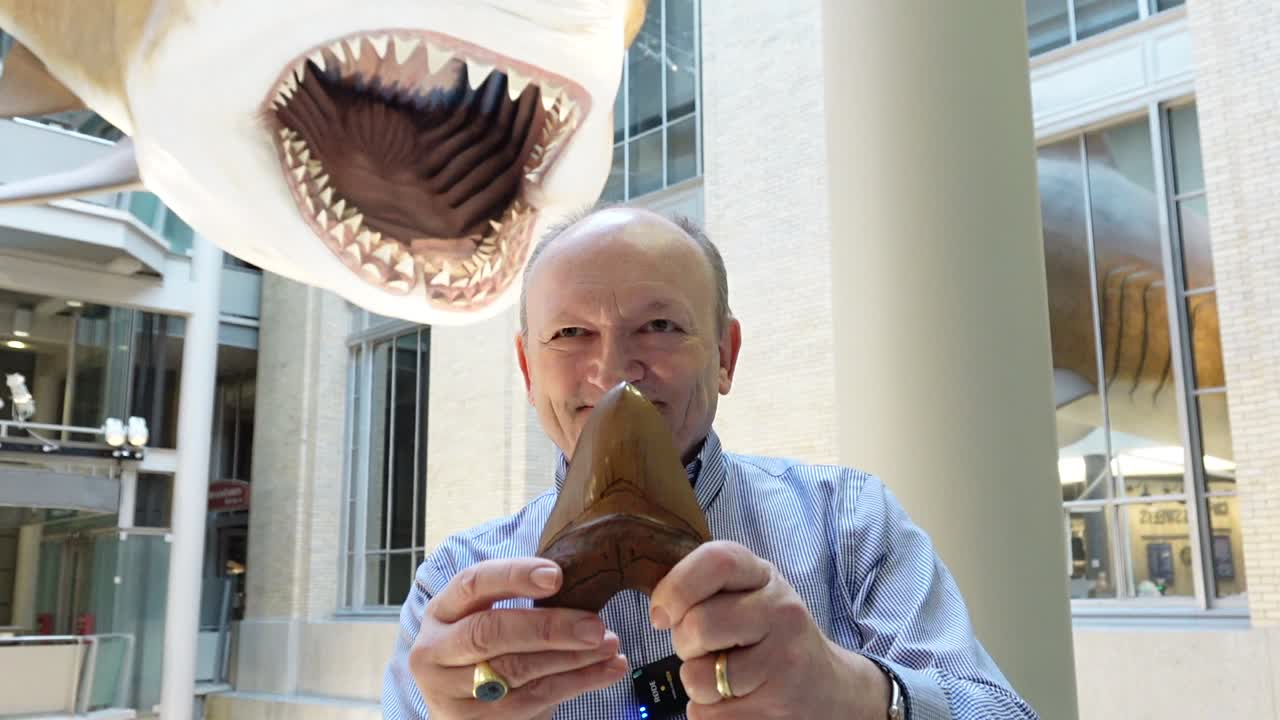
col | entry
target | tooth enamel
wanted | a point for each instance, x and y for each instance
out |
(442, 278)
(372, 273)
(399, 286)
(354, 251)
(497, 226)
(299, 173)
(290, 84)
(531, 177)
(354, 47)
(299, 71)
(317, 57)
(321, 182)
(365, 238)
(437, 57)
(353, 223)
(486, 272)
(338, 233)
(314, 168)
(340, 209)
(515, 85)
(379, 43)
(305, 156)
(323, 218)
(548, 98)
(297, 146)
(405, 266)
(385, 252)
(284, 134)
(311, 206)
(350, 212)
(405, 48)
(327, 196)
(477, 73)
(338, 51)
(566, 107)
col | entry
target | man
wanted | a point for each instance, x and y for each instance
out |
(817, 599)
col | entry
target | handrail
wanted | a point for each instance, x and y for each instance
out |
(84, 684)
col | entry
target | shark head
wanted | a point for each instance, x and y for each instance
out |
(404, 154)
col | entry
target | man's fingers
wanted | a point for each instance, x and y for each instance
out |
(492, 633)
(724, 621)
(748, 669)
(552, 690)
(479, 586)
(718, 566)
(520, 669)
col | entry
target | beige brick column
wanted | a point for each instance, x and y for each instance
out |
(298, 446)
(766, 208)
(1237, 55)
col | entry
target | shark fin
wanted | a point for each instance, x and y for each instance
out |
(27, 87)
(117, 171)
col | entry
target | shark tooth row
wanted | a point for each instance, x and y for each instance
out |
(381, 260)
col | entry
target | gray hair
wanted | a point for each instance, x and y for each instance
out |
(690, 227)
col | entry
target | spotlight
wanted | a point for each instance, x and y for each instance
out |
(138, 434)
(16, 344)
(113, 429)
(24, 406)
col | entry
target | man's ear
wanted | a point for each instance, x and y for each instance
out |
(730, 344)
(523, 361)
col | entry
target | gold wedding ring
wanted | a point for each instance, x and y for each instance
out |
(722, 676)
(487, 685)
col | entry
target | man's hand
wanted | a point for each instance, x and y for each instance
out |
(547, 655)
(721, 597)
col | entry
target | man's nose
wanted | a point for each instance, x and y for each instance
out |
(615, 364)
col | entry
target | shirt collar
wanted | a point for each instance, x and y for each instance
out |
(706, 472)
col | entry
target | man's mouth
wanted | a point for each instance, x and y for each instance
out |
(416, 157)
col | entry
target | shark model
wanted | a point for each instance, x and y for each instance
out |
(403, 154)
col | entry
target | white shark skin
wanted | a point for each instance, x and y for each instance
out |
(195, 96)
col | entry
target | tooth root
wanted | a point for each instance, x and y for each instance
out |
(405, 48)
(327, 196)
(354, 47)
(477, 73)
(437, 57)
(516, 83)
(385, 252)
(339, 51)
(379, 43)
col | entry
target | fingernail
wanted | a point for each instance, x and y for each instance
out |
(545, 577)
(588, 631)
(659, 618)
(610, 635)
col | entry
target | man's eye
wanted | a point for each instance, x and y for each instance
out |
(662, 326)
(570, 332)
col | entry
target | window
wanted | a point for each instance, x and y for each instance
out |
(657, 125)
(385, 531)
(1052, 24)
(1145, 458)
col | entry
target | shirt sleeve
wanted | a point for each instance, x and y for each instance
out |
(401, 699)
(911, 618)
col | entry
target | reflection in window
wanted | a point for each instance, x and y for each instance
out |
(1053, 24)
(385, 525)
(656, 122)
(1132, 502)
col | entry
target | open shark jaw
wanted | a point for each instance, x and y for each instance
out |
(416, 157)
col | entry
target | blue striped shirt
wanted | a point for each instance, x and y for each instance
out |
(868, 575)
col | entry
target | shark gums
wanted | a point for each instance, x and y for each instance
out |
(404, 154)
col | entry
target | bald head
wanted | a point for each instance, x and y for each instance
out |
(621, 226)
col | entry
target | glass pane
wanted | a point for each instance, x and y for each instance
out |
(1091, 574)
(177, 232)
(143, 205)
(1137, 363)
(644, 88)
(374, 577)
(404, 428)
(379, 448)
(1159, 549)
(1206, 342)
(682, 64)
(1048, 26)
(1167, 4)
(1096, 16)
(646, 164)
(682, 150)
(615, 189)
(1215, 440)
(1072, 325)
(1197, 255)
(619, 116)
(157, 375)
(400, 567)
(1227, 546)
(1184, 136)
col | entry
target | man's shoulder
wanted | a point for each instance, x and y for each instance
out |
(510, 536)
(796, 471)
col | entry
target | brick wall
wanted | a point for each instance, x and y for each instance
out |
(1237, 55)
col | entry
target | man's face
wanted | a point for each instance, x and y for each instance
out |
(625, 295)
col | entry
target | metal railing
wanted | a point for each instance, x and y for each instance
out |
(89, 666)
